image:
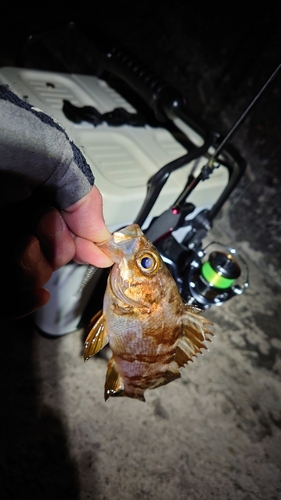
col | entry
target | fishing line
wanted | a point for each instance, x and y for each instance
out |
(241, 118)
(212, 159)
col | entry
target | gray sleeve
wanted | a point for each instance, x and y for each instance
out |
(36, 153)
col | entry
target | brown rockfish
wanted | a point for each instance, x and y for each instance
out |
(150, 330)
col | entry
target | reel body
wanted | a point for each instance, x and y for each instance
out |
(205, 277)
(215, 276)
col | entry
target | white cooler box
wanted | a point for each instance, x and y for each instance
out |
(122, 159)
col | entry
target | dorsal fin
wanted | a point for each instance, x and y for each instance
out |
(97, 337)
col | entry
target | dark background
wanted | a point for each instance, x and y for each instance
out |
(217, 57)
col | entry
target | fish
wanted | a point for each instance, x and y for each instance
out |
(151, 331)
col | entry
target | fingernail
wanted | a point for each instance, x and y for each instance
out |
(32, 254)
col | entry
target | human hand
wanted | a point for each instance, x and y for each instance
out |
(58, 238)
(85, 220)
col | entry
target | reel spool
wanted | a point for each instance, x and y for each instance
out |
(217, 279)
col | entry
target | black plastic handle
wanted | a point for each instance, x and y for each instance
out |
(165, 101)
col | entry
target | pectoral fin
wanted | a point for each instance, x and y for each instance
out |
(193, 337)
(97, 337)
(113, 383)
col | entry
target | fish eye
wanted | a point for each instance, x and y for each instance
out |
(148, 262)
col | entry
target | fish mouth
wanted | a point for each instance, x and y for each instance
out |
(118, 288)
(121, 243)
(122, 246)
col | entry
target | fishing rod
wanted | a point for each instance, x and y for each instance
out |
(219, 277)
(242, 117)
(175, 215)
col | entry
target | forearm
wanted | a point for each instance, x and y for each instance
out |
(37, 157)
(35, 152)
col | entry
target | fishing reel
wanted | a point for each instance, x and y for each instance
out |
(205, 277)
(215, 275)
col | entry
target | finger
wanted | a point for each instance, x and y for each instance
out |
(85, 218)
(88, 253)
(32, 269)
(18, 305)
(55, 238)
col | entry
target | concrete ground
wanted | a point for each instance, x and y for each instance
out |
(216, 432)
